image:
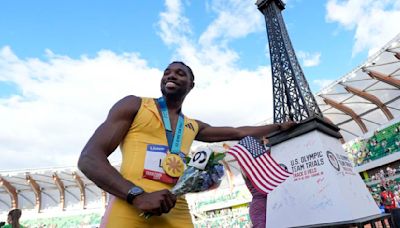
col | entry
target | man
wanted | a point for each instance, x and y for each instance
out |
(13, 219)
(388, 199)
(144, 129)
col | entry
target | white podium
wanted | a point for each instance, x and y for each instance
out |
(324, 187)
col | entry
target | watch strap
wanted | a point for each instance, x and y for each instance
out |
(132, 193)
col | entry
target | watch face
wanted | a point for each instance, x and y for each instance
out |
(133, 192)
(136, 191)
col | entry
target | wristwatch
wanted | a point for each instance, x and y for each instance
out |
(132, 193)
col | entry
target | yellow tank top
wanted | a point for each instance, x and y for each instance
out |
(147, 129)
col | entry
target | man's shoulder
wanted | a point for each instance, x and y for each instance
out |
(130, 100)
(192, 124)
(191, 120)
(127, 105)
(147, 99)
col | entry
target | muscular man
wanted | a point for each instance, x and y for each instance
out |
(147, 131)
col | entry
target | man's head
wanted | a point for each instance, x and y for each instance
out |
(13, 216)
(382, 189)
(177, 81)
(188, 68)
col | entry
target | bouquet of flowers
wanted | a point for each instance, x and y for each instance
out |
(204, 172)
(195, 179)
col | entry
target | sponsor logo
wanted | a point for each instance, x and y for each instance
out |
(333, 160)
(190, 126)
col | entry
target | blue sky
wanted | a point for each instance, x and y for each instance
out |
(63, 64)
(76, 28)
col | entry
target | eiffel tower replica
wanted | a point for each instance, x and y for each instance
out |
(324, 190)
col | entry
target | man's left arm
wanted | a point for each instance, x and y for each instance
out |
(209, 133)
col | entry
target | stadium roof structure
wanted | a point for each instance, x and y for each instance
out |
(42, 190)
(368, 97)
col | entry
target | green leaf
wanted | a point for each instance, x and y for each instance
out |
(215, 158)
(219, 156)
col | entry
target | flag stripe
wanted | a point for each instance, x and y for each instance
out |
(274, 164)
(263, 171)
(272, 169)
(259, 186)
(270, 173)
(253, 180)
(253, 167)
(254, 173)
(260, 167)
(278, 171)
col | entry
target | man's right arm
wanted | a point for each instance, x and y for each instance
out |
(93, 160)
(94, 164)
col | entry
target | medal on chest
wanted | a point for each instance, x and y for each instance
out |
(173, 165)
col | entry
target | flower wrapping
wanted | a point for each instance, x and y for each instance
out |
(195, 179)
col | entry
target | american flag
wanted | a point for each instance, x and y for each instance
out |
(262, 170)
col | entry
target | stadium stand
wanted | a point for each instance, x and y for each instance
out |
(380, 144)
(226, 206)
(368, 97)
(227, 217)
(89, 220)
(54, 196)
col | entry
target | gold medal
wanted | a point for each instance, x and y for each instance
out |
(173, 165)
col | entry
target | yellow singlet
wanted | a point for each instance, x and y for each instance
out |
(147, 131)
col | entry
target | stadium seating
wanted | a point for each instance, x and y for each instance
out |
(88, 220)
(380, 144)
(227, 217)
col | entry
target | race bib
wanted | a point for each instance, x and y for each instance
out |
(153, 170)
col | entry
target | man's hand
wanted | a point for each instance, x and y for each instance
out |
(156, 203)
(287, 125)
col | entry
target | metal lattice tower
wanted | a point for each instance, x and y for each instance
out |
(292, 96)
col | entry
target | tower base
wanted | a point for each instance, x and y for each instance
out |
(324, 187)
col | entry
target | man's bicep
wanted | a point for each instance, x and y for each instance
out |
(109, 134)
(106, 138)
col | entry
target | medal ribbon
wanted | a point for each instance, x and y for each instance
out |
(174, 142)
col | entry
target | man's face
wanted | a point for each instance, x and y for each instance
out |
(176, 81)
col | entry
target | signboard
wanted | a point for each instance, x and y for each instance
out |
(200, 158)
(323, 188)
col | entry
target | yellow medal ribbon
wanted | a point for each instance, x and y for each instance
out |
(173, 165)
